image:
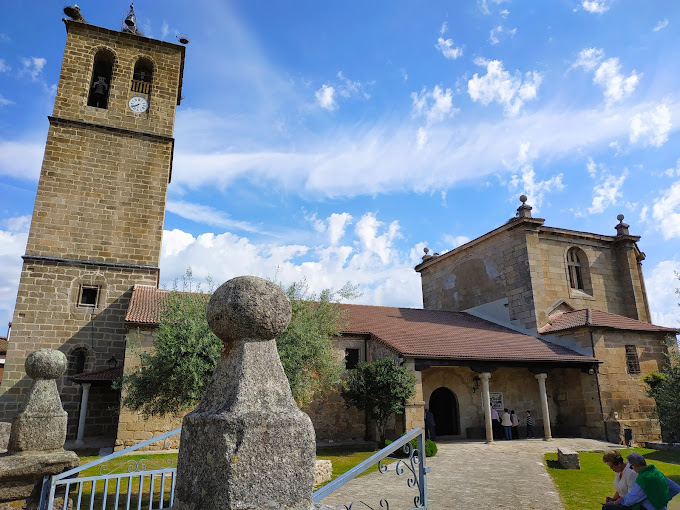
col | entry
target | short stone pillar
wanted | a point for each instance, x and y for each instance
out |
(37, 436)
(247, 445)
(568, 458)
(41, 426)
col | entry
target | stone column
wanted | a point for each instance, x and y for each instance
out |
(83, 414)
(414, 412)
(247, 445)
(544, 406)
(486, 405)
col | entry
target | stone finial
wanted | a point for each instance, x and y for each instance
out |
(524, 210)
(427, 255)
(247, 424)
(621, 228)
(41, 426)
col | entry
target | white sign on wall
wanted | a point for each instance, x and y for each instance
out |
(496, 398)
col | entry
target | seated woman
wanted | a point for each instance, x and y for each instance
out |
(624, 478)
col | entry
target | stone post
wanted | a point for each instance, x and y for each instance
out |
(247, 445)
(36, 442)
(486, 405)
(544, 406)
(83, 414)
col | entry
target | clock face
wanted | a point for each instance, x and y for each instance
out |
(138, 104)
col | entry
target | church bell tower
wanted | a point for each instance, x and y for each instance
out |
(97, 224)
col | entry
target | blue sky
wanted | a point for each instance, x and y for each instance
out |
(335, 140)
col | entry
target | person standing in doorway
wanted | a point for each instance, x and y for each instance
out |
(530, 425)
(495, 423)
(515, 424)
(506, 421)
(430, 425)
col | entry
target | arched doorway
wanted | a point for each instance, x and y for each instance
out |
(444, 407)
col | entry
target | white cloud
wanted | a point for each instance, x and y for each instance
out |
(444, 28)
(4, 67)
(661, 283)
(384, 274)
(592, 167)
(382, 157)
(455, 241)
(484, 5)
(651, 128)
(435, 106)
(589, 58)
(608, 76)
(607, 192)
(616, 86)
(33, 66)
(500, 86)
(661, 25)
(21, 159)
(666, 212)
(493, 35)
(12, 247)
(165, 29)
(525, 182)
(595, 6)
(4, 101)
(18, 224)
(505, 13)
(421, 138)
(673, 172)
(325, 97)
(206, 215)
(448, 49)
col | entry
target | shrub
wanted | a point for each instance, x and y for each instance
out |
(430, 448)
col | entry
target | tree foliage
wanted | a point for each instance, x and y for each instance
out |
(172, 377)
(380, 388)
(664, 388)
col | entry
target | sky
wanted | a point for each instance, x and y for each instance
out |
(333, 141)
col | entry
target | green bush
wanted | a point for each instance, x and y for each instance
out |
(430, 448)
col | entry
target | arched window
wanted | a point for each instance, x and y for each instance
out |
(100, 84)
(142, 76)
(78, 360)
(575, 269)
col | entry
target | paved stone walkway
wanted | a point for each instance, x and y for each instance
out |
(469, 475)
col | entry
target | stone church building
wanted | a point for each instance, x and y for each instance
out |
(526, 316)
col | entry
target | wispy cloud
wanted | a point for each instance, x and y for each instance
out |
(33, 66)
(595, 6)
(448, 48)
(661, 25)
(652, 127)
(4, 67)
(207, 215)
(325, 97)
(435, 106)
(615, 85)
(498, 85)
(497, 31)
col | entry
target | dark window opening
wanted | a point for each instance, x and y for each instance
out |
(88, 296)
(78, 361)
(351, 358)
(142, 76)
(632, 360)
(100, 84)
(575, 272)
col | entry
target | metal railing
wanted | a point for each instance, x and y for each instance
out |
(136, 474)
(133, 475)
(413, 466)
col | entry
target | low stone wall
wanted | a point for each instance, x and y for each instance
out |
(654, 445)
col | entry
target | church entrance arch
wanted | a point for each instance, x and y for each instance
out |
(444, 407)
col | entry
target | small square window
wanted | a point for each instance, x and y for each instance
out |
(351, 358)
(88, 296)
(632, 360)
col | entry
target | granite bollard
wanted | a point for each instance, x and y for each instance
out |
(36, 439)
(247, 445)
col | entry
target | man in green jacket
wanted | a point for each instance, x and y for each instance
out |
(652, 489)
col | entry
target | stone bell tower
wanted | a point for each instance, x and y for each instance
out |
(98, 219)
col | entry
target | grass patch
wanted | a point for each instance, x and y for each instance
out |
(344, 459)
(589, 486)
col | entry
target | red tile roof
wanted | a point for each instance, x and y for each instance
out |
(600, 319)
(410, 331)
(452, 335)
(102, 374)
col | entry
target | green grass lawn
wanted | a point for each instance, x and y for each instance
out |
(589, 486)
(343, 460)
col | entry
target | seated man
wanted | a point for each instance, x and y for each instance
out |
(651, 489)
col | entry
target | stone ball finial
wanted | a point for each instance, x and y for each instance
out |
(426, 250)
(523, 198)
(45, 364)
(620, 217)
(248, 307)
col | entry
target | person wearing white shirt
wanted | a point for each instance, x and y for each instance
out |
(506, 421)
(624, 477)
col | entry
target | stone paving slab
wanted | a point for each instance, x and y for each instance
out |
(470, 475)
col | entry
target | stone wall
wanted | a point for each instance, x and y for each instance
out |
(47, 315)
(625, 404)
(102, 412)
